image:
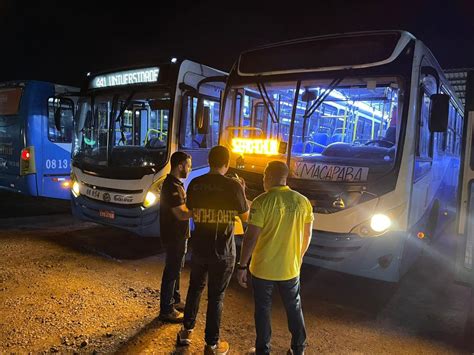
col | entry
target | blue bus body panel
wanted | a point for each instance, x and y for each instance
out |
(55, 170)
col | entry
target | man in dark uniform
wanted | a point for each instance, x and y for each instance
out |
(174, 232)
(215, 201)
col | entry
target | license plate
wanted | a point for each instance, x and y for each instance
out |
(107, 214)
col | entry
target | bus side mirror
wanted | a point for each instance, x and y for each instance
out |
(439, 113)
(203, 118)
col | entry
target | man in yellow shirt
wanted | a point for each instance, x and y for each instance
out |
(278, 236)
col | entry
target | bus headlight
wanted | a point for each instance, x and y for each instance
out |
(75, 189)
(153, 194)
(150, 199)
(75, 186)
(380, 223)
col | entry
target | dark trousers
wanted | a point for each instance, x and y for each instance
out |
(218, 275)
(169, 294)
(290, 295)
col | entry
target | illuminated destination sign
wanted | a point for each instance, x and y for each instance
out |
(255, 146)
(128, 77)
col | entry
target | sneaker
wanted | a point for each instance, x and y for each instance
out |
(184, 336)
(179, 306)
(221, 348)
(251, 351)
(174, 316)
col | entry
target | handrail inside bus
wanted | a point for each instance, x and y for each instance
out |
(312, 143)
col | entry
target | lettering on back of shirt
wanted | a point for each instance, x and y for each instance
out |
(208, 215)
(207, 188)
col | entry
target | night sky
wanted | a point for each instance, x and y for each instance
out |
(60, 41)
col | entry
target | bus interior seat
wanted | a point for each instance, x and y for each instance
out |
(391, 134)
(335, 138)
(321, 138)
(155, 143)
(298, 148)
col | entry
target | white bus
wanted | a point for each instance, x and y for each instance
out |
(371, 130)
(127, 125)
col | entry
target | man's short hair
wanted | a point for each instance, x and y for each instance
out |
(278, 170)
(219, 156)
(178, 158)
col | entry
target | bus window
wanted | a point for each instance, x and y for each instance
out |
(451, 131)
(215, 109)
(458, 133)
(424, 134)
(65, 134)
(190, 138)
(189, 135)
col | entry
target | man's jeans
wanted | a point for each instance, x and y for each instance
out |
(169, 294)
(290, 294)
(219, 275)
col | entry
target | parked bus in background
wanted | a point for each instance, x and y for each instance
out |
(371, 130)
(127, 125)
(34, 151)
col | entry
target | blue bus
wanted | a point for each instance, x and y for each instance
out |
(35, 150)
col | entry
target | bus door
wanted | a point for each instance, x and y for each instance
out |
(199, 124)
(465, 227)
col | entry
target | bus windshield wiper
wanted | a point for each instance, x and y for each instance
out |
(267, 102)
(322, 96)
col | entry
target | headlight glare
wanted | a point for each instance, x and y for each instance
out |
(150, 199)
(75, 188)
(380, 222)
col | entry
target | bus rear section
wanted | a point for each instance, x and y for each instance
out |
(12, 142)
(34, 154)
(360, 140)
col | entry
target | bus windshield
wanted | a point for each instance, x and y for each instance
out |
(125, 130)
(342, 129)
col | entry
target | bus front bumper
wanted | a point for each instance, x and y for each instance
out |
(377, 257)
(138, 220)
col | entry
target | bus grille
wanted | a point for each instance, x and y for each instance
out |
(334, 247)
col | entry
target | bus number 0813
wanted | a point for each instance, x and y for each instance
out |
(56, 164)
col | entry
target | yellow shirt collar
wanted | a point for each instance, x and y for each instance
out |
(279, 188)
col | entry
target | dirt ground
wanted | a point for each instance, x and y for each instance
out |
(73, 287)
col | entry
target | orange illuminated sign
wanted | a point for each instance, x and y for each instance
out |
(255, 146)
(10, 101)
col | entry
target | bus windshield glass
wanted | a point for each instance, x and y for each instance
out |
(123, 129)
(343, 129)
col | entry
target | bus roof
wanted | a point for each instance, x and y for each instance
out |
(324, 53)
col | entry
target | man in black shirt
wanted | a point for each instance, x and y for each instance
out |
(215, 201)
(174, 232)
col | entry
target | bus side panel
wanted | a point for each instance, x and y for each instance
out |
(433, 207)
(55, 165)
